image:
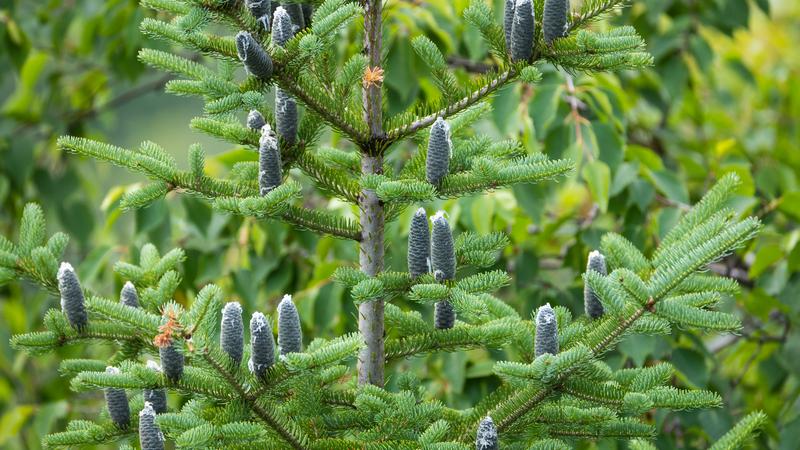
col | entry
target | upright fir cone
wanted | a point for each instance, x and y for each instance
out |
(591, 302)
(231, 336)
(555, 19)
(172, 361)
(128, 295)
(150, 436)
(444, 316)
(262, 343)
(546, 331)
(256, 60)
(72, 300)
(419, 245)
(290, 337)
(308, 11)
(285, 106)
(486, 438)
(523, 31)
(117, 402)
(443, 255)
(269, 161)
(261, 10)
(296, 13)
(508, 22)
(158, 396)
(255, 121)
(440, 148)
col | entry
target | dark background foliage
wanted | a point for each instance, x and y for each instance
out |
(723, 95)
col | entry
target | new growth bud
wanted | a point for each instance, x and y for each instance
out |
(150, 436)
(290, 337)
(231, 336)
(72, 300)
(171, 361)
(443, 255)
(546, 331)
(523, 31)
(117, 403)
(486, 438)
(262, 343)
(555, 19)
(255, 121)
(157, 397)
(591, 302)
(256, 60)
(269, 161)
(444, 316)
(128, 295)
(437, 162)
(419, 244)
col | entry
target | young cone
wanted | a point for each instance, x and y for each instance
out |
(150, 437)
(486, 438)
(128, 295)
(255, 121)
(285, 106)
(172, 361)
(157, 397)
(419, 244)
(554, 22)
(437, 162)
(262, 343)
(117, 402)
(443, 255)
(261, 10)
(256, 60)
(231, 336)
(308, 11)
(282, 27)
(444, 316)
(290, 337)
(72, 300)
(546, 331)
(295, 11)
(591, 302)
(269, 161)
(508, 21)
(522, 31)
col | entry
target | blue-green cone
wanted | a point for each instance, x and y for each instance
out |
(261, 10)
(508, 21)
(296, 13)
(256, 60)
(117, 402)
(255, 121)
(546, 331)
(282, 27)
(308, 11)
(157, 397)
(231, 336)
(523, 31)
(444, 316)
(290, 337)
(486, 438)
(437, 162)
(285, 116)
(443, 255)
(269, 161)
(128, 295)
(262, 343)
(72, 300)
(554, 23)
(591, 302)
(172, 361)
(419, 244)
(150, 436)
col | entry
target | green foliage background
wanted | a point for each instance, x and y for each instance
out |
(723, 95)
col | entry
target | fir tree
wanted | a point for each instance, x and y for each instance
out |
(559, 392)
